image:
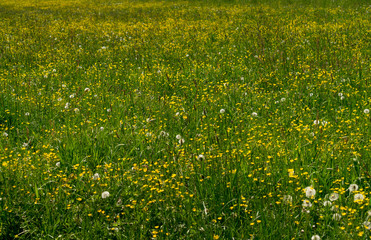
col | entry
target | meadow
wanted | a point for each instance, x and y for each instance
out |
(133, 119)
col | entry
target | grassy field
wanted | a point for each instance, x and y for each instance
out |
(185, 119)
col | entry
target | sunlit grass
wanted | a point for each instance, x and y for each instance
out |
(185, 120)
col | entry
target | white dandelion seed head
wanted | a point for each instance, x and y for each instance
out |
(366, 111)
(254, 114)
(58, 164)
(101, 128)
(164, 134)
(353, 187)
(367, 225)
(340, 94)
(310, 192)
(287, 199)
(27, 114)
(336, 217)
(96, 176)
(283, 99)
(105, 194)
(310, 94)
(306, 203)
(59, 99)
(359, 197)
(5, 134)
(327, 203)
(316, 122)
(67, 106)
(72, 95)
(334, 196)
(222, 111)
(108, 109)
(342, 98)
(201, 157)
(76, 110)
(315, 237)
(181, 141)
(177, 114)
(178, 137)
(87, 90)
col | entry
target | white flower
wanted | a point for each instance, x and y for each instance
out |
(105, 194)
(287, 199)
(342, 98)
(108, 109)
(5, 134)
(59, 99)
(366, 111)
(164, 134)
(177, 114)
(72, 95)
(58, 164)
(27, 114)
(334, 208)
(178, 137)
(96, 176)
(316, 122)
(353, 187)
(66, 106)
(25, 145)
(306, 203)
(181, 141)
(359, 197)
(310, 94)
(201, 157)
(101, 128)
(283, 99)
(316, 237)
(87, 89)
(222, 111)
(310, 192)
(340, 94)
(327, 203)
(63, 85)
(334, 196)
(336, 217)
(254, 114)
(76, 110)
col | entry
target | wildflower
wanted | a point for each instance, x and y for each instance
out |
(178, 137)
(101, 128)
(336, 217)
(340, 94)
(359, 197)
(59, 99)
(222, 111)
(25, 145)
(367, 225)
(201, 157)
(63, 85)
(76, 110)
(310, 192)
(181, 141)
(87, 90)
(283, 99)
(287, 199)
(353, 187)
(327, 203)
(66, 106)
(334, 196)
(5, 134)
(58, 164)
(108, 109)
(72, 95)
(310, 94)
(164, 134)
(96, 176)
(254, 114)
(316, 122)
(316, 237)
(105, 194)
(306, 203)
(366, 111)
(27, 114)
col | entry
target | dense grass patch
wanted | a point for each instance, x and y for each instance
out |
(185, 119)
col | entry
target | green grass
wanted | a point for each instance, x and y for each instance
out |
(199, 119)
